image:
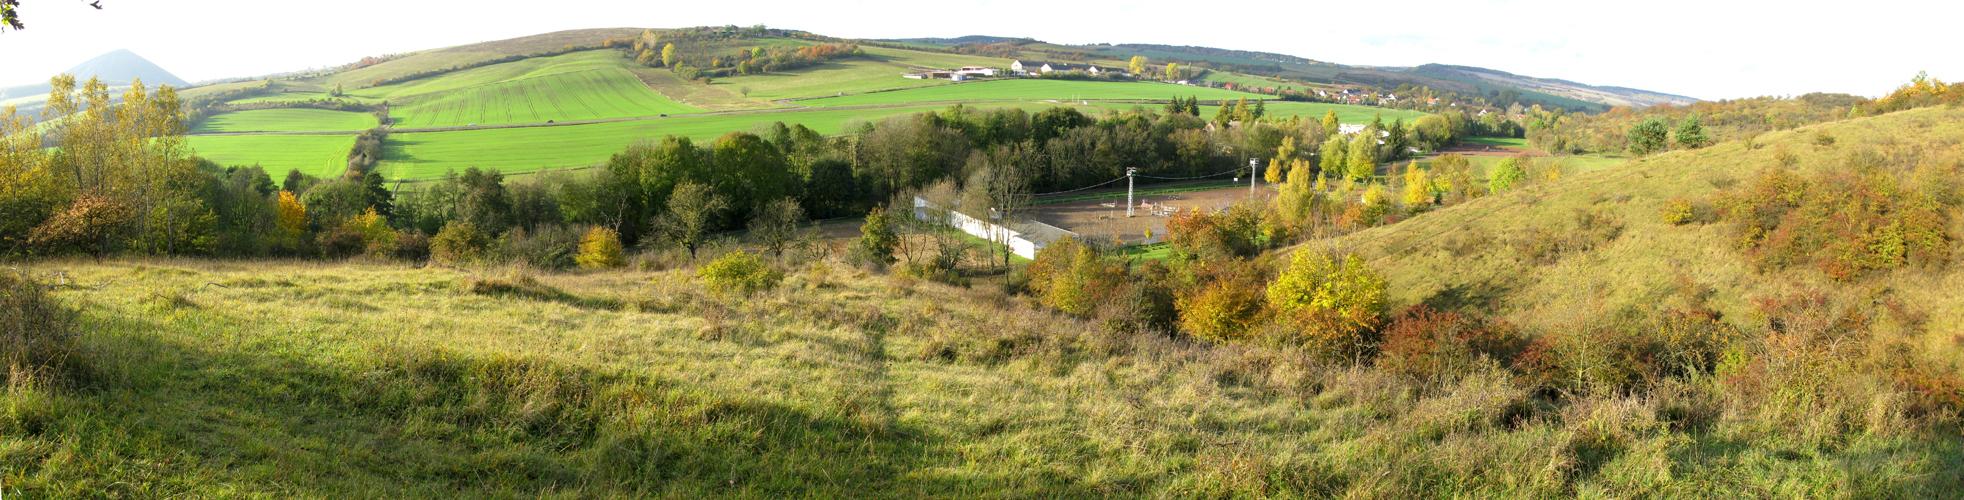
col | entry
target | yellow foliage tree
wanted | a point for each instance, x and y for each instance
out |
(600, 249)
(1418, 188)
(1334, 305)
(291, 216)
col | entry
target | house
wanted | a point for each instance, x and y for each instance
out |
(1094, 71)
(1035, 68)
(936, 74)
(976, 71)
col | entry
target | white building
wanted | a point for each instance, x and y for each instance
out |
(1037, 68)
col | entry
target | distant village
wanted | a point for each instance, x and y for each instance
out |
(1036, 69)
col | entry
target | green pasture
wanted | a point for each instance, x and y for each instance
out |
(320, 155)
(287, 120)
(880, 69)
(577, 86)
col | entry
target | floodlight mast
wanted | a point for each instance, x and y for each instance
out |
(1252, 162)
(1129, 171)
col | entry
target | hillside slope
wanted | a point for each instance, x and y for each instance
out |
(1491, 252)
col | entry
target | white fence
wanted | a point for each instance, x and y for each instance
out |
(1024, 243)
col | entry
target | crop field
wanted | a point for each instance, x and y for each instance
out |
(1032, 90)
(287, 120)
(423, 155)
(439, 59)
(879, 70)
(577, 86)
(319, 155)
(301, 96)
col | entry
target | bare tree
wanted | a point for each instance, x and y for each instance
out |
(775, 225)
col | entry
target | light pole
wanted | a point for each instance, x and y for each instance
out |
(1128, 189)
(1252, 162)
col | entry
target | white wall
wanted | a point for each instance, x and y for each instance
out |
(1018, 245)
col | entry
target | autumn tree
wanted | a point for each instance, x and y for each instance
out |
(668, 55)
(1417, 193)
(1137, 65)
(600, 248)
(1279, 165)
(1330, 160)
(1336, 306)
(291, 219)
(1331, 127)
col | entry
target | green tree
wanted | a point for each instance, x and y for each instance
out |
(1330, 159)
(877, 240)
(692, 213)
(1691, 133)
(1361, 159)
(1648, 136)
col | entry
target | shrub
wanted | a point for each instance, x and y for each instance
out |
(460, 242)
(1235, 232)
(1506, 175)
(93, 224)
(1847, 224)
(739, 272)
(37, 335)
(1336, 306)
(1224, 308)
(412, 245)
(1677, 212)
(1070, 276)
(547, 247)
(1431, 345)
(600, 249)
(877, 240)
(377, 238)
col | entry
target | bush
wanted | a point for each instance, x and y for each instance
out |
(548, 247)
(1070, 276)
(1224, 308)
(460, 242)
(377, 238)
(1335, 306)
(1506, 175)
(877, 240)
(93, 224)
(412, 245)
(739, 272)
(1678, 212)
(1427, 344)
(600, 249)
(1235, 232)
(37, 336)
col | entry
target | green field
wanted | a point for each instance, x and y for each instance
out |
(1033, 90)
(319, 155)
(424, 155)
(1501, 142)
(578, 86)
(1248, 80)
(880, 69)
(287, 120)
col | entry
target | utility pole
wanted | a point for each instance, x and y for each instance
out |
(1128, 189)
(1252, 173)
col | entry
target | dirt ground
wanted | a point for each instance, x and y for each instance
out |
(1104, 217)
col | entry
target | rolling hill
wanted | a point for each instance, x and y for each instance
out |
(1462, 79)
(551, 101)
(116, 68)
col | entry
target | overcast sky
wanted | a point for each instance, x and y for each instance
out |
(1708, 49)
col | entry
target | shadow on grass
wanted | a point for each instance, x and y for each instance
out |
(525, 287)
(255, 416)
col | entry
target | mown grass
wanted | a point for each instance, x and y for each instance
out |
(423, 155)
(1503, 142)
(1031, 90)
(319, 155)
(880, 69)
(291, 379)
(288, 120)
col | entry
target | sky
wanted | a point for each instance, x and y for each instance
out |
(1708, 49)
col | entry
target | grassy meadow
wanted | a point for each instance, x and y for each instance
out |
(318, 155)
(287, 120)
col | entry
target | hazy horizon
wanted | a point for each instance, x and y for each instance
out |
(1702, 50)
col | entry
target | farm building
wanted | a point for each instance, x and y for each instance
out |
(1036, 68)
(937, 74)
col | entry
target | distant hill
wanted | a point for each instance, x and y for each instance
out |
(117, 68)
(1499, 86)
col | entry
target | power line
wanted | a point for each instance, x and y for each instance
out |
(1098, 185)
(1216, 174)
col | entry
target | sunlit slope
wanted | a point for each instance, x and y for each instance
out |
(1488, 252)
